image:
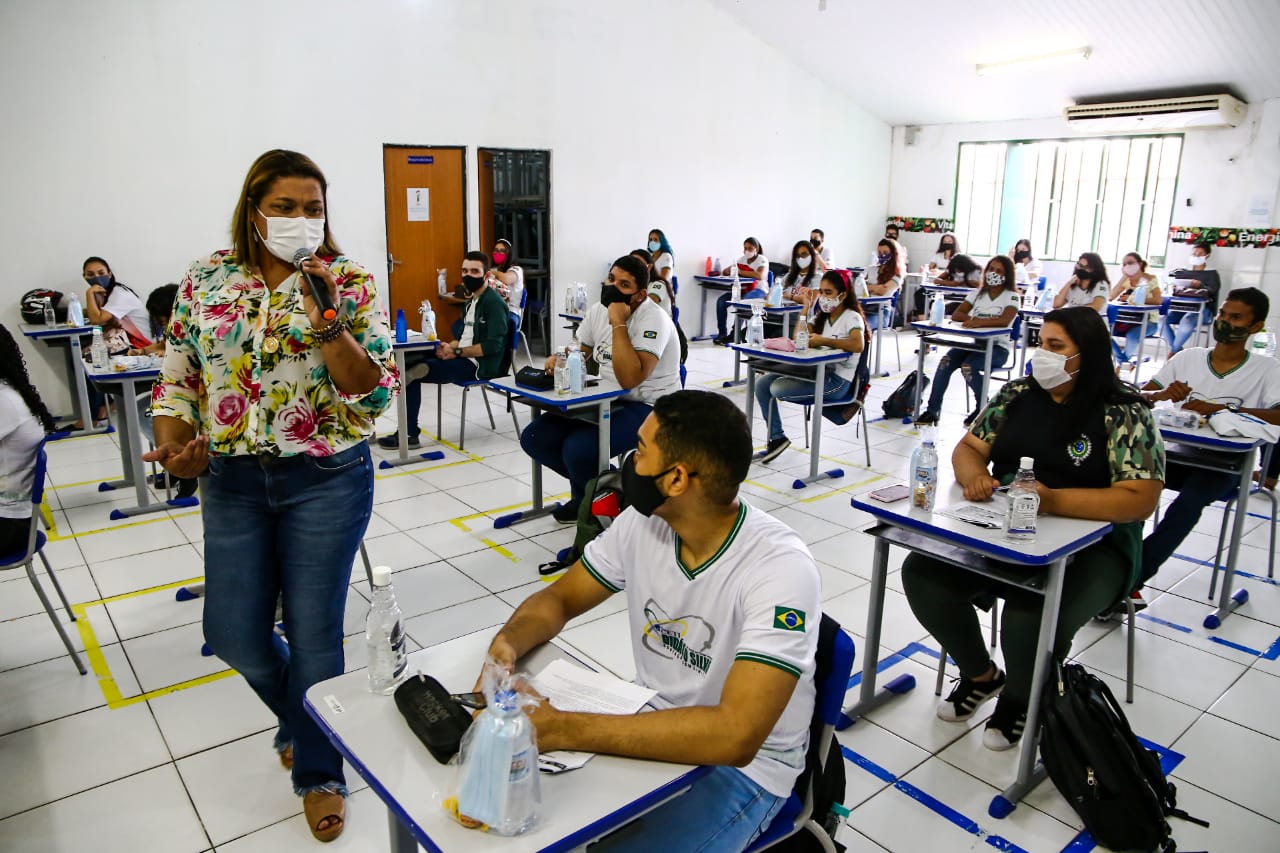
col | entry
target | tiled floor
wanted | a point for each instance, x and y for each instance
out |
(191, 769)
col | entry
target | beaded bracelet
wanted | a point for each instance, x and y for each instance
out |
(331, 332)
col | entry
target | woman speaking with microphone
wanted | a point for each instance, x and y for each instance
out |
(276, 403)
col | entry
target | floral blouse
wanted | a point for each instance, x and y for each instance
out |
(243, 367)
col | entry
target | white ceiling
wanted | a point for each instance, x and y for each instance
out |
(913, 62)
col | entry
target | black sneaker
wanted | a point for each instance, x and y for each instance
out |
(926, 419)
(186, 486)
(392, 442)
(721, 340)
(967, 696)
(972, 416)
(1004, 729)
(773, 449)
(1119, 610)
(566, 513)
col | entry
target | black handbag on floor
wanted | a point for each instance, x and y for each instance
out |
(1107, 775)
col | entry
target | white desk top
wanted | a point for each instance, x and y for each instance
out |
(603, 391)
(109, 374)
(1128, 306)
(946, 287)
(415, 342)
(784, 308)
(576, 806)
(813, 355)
(1206, 437)
(717, 280)
(1056, 537)
(947, 327)
(35, 331)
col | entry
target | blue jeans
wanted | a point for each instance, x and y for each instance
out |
(1132, 341)
(285, 527)
(772, 389)
(1197, 488)
(951, 362)
(1179, 326)
(723, 811)
(443, 372)
(722, 305)
(569, 446)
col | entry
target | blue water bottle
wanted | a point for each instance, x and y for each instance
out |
(402, 327)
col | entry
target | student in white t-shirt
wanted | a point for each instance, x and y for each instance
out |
(114, 305)
(948, 248)
(994, 303)
(1089, 285)
(839, 324)
(1207, 381)
(723, 605)
(884, 277)
(753, 270)
(662, 266)
(800, 284)
(818, 239)
(634, 344)
(24, 420)
(507, 275)
(1028, 266)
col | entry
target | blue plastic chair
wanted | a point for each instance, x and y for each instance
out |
(831, 677)
(35, 548)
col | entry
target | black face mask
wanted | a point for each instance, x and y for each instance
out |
(472, 283)
(1022, 257)
(642, 490)
(1081, 272)
(948, 247)
(1225, 333)
(817, 244)
(610, 294)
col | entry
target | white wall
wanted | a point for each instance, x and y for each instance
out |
(1221, 171)
(131, 124)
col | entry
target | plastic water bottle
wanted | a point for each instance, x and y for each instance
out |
(384, 635)
(1263, 343)
(1046, 299)
(1139, 296)
(735, 291)
(428, 320)
(775, 293)
(1024, 503)
(561, 372)
(500, 786)
(75, 311)
(860, 286)
(938, 310)
(50, 318)
(442, 282)
(98, 350)
(755, 327)
(924, 473)
(802, 333)
(580, 299)
(402, 327)
(575, 367)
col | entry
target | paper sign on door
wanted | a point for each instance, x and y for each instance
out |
(419, 204)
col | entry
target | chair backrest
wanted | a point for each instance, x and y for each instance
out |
(37, 484)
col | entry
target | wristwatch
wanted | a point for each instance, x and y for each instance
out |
(1234, 408)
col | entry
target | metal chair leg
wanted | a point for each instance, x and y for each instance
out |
(439, 407)
(1217, 557)
(866, 432)
(1128, 673)
(48, 570)
(368, 567)
(53, 617)
(462, 429)
(485, 396)
(995, 623)
(942, 672)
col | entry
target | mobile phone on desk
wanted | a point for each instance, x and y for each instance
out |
(890, 494)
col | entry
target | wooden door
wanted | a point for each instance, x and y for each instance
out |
(484, 159)
(426, 225)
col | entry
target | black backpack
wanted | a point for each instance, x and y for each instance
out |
(1107, 775)
(901, 402)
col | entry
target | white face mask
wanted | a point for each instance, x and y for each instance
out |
(829, 303)
(287, 234)
(1049, 369)
(803, 262)
(994, 279)
(1199, 260)
(748, 253)
(1130, 270)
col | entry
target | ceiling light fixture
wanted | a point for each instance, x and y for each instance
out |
(1077, 53)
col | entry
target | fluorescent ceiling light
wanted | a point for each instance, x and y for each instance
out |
(1077, 53)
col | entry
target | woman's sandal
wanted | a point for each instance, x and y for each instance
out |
(286, 757)
(325, 812)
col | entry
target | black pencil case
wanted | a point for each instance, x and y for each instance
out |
(432, 714)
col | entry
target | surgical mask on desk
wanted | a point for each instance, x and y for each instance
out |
(1049, 369)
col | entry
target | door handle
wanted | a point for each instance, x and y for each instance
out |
(391, 259)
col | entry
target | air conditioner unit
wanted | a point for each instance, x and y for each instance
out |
(1159, 114)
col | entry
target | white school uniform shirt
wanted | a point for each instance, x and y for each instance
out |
(825, 254)
(1028, 273)
(658, 287)
(1253, 384)
(123, 303)
(650, 330)
(756, 599)
(759, 263)
(848, 321)
(983, 307)
(20, 437)
(515, 290)
(1079, 296)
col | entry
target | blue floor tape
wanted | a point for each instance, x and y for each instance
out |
(1272, 652)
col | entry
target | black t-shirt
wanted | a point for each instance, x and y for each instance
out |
(1065, 455)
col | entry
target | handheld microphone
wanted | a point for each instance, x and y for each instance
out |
(319, 288)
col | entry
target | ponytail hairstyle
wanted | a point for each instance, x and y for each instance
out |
(13, 372)
(841, 280)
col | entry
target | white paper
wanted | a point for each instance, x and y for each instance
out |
(990, 515)
(572, 688)
(419, 204)
(1258, 214)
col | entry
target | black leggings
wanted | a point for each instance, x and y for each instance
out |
(13, 535)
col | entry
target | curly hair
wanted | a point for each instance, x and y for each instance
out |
(13, 372)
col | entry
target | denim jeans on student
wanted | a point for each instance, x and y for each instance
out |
(723, 811)
(288, 527)
(570, 447)
(1197, 488)
(722, 304)
(772, 389)
(442, 372)
(1133, 342)
(951, 362)
(1179, 326)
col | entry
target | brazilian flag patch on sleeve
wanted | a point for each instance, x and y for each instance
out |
(788, 619)
(650, 334)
